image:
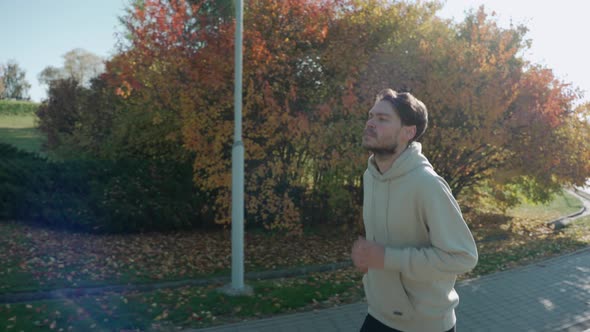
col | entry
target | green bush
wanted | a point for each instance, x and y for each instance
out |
(15, 166)
(99, 196)
(16, 107)
(148, 196)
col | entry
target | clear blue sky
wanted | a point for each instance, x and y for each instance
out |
(36, 33)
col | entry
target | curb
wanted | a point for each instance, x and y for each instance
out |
(540, 263)
(18, 297)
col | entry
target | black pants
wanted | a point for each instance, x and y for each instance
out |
(373, 325)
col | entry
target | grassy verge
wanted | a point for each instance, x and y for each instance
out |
(186, 307)
(504, 241)
(18, 121)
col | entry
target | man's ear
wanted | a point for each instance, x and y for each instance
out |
(409, 132)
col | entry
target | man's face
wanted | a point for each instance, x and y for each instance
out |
(383, 130)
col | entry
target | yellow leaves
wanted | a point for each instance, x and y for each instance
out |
(157, 119)
(298, 125)
(162, 316)
(468, 84)
(324, 32)
(124, 90)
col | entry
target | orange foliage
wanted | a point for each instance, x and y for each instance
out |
(188, 70)
(545, 126)
(311, 70)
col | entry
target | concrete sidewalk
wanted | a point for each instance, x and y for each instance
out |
(553, 295)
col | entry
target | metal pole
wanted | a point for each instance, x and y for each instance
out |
(238, 163)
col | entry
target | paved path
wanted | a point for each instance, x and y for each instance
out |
(552, 295)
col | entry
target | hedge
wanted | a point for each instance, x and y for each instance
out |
(99, 196)
(15, 107)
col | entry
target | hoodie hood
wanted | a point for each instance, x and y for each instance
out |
(411, 159)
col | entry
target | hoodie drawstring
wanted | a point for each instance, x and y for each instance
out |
(373, 208)
(387, 210)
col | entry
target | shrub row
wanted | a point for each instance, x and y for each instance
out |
(98, 196)
(16, 107)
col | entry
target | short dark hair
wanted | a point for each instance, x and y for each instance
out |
(410, 109)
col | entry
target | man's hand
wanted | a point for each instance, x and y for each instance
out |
(367, 255)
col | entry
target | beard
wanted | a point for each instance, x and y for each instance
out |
(376, 148)
(383, 150)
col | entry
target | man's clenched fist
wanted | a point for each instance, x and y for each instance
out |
(367, 255)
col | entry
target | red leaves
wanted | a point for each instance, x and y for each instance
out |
(160, 24)
(543, 98)
(184, 53)
(310, 71)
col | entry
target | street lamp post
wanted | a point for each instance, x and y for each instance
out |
(237, 286)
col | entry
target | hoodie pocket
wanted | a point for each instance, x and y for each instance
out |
(386, 294)
(432, 299)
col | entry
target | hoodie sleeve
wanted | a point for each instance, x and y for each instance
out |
(452, 249)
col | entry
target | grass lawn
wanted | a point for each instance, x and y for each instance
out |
(35, 259)
(20, 131)
(521, 236)
(561, 205)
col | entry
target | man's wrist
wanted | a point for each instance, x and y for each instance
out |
(378, 253)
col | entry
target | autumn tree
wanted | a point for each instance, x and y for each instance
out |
(174, 75)
(475, 83)
(159, 74)
(549, 147)
(311, 70)
(361, 50)
(192, 82)
(470, 86)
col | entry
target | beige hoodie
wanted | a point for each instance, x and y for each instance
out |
(411, 211)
